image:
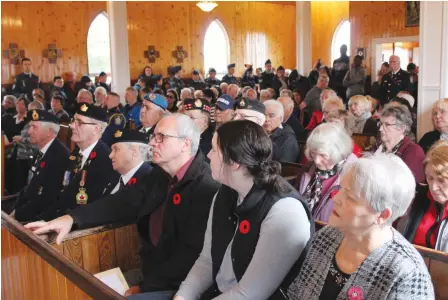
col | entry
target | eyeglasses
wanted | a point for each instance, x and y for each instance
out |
(158, 137)
(385, 125)
(170, 96)
(79, 122)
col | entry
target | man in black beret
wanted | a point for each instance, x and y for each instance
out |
(211, 80)
(130, 158)
(248, 78)
(102, 79)
(89, 168)
(115, 119)
(252, 110)
(199, 111)
(196, 81)
(176, 81)
(267, 77)
(230, 78)
(45, 175)
(25, 82)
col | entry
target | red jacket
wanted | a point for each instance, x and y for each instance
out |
(316, 119)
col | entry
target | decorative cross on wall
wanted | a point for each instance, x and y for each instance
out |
(52, 53)
(180, 54)
(13, 54)
(151, 54)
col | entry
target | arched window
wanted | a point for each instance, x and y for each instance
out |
(341, 36)
(98, 46)
(216, 49)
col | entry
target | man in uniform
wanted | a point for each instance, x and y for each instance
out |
(229, 78)
(153, 108)
(25, 82)
(248, 78)
(196, 81)
(46, 173)
(176, 81)
(102, 79)
(130, 155)
(252, 110)
(199, 111)
(89, 169)
(115, 119)
(170, 206)
(131, 110)
(340, 68)
(211, 80)
(397, 80)
(267, 77)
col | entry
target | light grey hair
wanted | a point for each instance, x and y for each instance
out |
(277, 105)
(187, 91)
(330, 92)
(383, 180)
(102, 124)
(330, 139)
(188, 129)
(402, 115)
(52, 126)
(264, 92)
(286, 93)
(143, 149)
(35, 105)
(364, 104)
(244, 91)
(101, 90)
(84, 91)
(10, 97)
(333, 100)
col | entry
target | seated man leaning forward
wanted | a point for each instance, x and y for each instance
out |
(170, 207)
(130, 157)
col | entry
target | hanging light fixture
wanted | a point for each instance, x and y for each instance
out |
(206, 5)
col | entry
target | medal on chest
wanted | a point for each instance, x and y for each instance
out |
(81, 196)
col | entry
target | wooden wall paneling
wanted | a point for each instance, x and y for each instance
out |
(106, 249)
(73, 250)
(122, 242)
(134, 249)
(377, 19)
(438, 272)
(91, 259)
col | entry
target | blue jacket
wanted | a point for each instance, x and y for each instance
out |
(132, 113)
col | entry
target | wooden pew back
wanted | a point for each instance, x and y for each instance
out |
(365, 142)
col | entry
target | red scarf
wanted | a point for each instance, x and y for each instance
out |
(428, 220)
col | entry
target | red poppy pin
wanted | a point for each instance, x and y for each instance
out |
(355, 293)
(132, 181)
(92, 155)
(176, 199)
(244, 227)
(333, 193)
(42, 164)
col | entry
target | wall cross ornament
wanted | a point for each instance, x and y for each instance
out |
(52, 53)
(180, 54)
(14, 54)
(151, 54)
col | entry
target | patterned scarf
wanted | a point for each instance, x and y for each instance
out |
(394, 149)
(314, 189)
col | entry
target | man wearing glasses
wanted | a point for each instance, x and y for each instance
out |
(170, 206)
(89, 169)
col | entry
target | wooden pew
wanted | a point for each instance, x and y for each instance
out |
(32, 269)
(365, 142)
(65, 136)
(290, 171)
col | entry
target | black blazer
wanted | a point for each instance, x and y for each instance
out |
(285, 146)
(429, 139)
(298, 129)
(370, 127)
(144, 170)
(99, 174)
(45, 185)
(165, 266)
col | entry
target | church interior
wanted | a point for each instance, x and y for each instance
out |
(224, 150)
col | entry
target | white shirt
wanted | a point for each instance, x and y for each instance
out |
(145, 130)
(86, 152)
(126, 177)
(45, 148)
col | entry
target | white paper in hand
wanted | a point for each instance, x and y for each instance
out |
(114, 279)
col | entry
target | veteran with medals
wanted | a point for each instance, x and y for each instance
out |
(89, 169)
(47, 170)
(115, 119)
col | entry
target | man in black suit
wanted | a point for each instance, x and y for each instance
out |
(45, 176)
(196, 81)
(267, 77)
(170, 206)
(291, 120)
(230, 78)
(211, 80)
(89, 169)
(395, 81)
(130, 155)
(25, 82)
(102, 81)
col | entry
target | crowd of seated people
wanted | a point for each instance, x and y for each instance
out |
(196, 165)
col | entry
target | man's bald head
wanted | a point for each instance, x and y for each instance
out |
(288, 107)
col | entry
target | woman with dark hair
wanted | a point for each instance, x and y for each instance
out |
(146, 76)
(258, 225)
(172, 99)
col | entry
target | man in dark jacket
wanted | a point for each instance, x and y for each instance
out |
(290, 119)
(230, 78)
(102, 81)
(211, 80)
(170, 207)
(196, 81)
(25, 82)
(45, 178)
(395, 81)
(89, 168)
(286, 148)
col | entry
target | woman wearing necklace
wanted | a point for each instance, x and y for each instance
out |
(395, 123)
(359, 255)
(257, 227)
(329, 150)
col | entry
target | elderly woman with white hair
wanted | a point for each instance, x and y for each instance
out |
(440, 122)
(360, 255)
(329, 150)
(394, 125)
(318, 115)
(363, 122)
(283, 138)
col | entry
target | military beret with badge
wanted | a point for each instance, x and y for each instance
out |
(42, 116)
(130, 136)
(199, 104)
(254, 105)
(92, 111)
(157, 99)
